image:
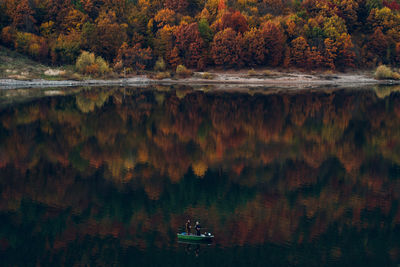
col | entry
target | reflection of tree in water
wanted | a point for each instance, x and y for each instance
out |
(281, 168)
(87, 101)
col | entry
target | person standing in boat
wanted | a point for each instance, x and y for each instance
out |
(188, 227)
(198, 228)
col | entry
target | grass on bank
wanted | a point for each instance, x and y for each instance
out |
(384, 72)
(183, 72)
(87, 63)
(260, 74)
(14, 65)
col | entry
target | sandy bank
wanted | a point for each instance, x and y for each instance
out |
(290, 80)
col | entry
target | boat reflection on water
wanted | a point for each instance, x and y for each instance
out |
(196, 242)
(193, 247)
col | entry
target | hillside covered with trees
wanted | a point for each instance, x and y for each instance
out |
(199, 34)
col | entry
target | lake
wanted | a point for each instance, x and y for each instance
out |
(109, 176)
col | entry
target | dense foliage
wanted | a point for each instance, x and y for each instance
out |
(105, 169)
(310, 34)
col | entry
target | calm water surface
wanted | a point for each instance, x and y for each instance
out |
(107, 177)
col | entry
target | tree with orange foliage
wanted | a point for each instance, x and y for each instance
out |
(214, 7)
(73, 21)
(164, 41)
(94, 7)
(241, 51)
(221, 5)
(189, 43)
(314, 58)
(298, 52)
(165, 17)
(345, 54)
(348, 10)
(385, 18)
(176, 5)
(224, 48)
(397, 54)
(57, 10)
(329, 54)
(234, 20)
(173, 58)
(253, 47)
(134, 57)
(91, 7)
(378, 44)
(109, 35)
(123, 9)
(32, 45)
(274, 40)
(7, 36)
(66, 48)
(23, 16)
(275, 7)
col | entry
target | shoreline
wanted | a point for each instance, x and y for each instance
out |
(279, 79)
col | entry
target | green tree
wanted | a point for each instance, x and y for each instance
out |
(66, 48)
(205, 31)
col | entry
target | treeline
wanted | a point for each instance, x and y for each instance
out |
(135, 34)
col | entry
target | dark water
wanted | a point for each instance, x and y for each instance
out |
(107, 177)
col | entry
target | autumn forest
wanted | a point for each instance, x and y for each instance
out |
(201, 34)
(261, 119)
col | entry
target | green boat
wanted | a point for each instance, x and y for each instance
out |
(202, 237)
